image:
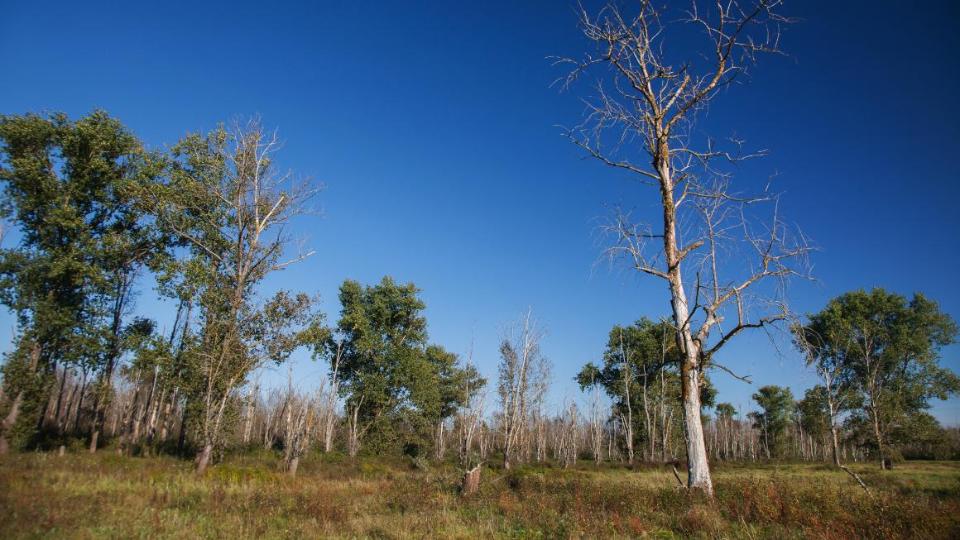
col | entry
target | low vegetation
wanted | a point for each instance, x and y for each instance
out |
(118, 422)
(248, 495)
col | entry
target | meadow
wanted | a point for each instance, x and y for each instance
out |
(43, 495)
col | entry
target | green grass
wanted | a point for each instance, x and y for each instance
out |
(105, 496)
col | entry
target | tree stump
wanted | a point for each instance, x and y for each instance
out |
(471, 481)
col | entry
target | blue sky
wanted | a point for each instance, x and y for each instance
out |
(433, 127)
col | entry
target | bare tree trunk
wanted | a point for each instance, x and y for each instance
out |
(248, 415)
(203, 458)
(79, 407)
(627, 381)
(353, 442)
(877, 433)
(440, 448)
(56, 409)
(471, 481)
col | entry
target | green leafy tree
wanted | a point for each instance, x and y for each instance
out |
(814, 413)
(641, 374)
(887, 350)
(225, 200)
(776, 412)
(396, 386)
(65, 186)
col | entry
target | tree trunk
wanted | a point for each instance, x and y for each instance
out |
(79, 407)
(440, 448)
(203, 458)
(471, 481)
(292, 465)
(876, 433)
(57, 407)
(698, 469)
(9, 422)
(182, 439)
(11, 419)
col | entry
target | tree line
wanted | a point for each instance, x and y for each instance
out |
(209, 221)
(95, 211)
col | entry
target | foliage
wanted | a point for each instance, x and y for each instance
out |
(67, 188)
(885, 350)
(644, 356)
(775, 415)
(401, 385)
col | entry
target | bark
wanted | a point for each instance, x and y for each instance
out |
(57, 407)
(106, 378)
(471, 481)
(203, 458)
(9, 422)
(879, 437)
(834, 438)
(11, 419)
(698, 469)
(76, 414)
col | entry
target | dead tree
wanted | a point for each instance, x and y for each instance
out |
(522, 370)
(469, 419)
(328, 403)
(708, 243)
(471, 481)
(355, 431)
(596, 425)
(299, 426)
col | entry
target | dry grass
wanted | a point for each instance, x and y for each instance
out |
(83, 496)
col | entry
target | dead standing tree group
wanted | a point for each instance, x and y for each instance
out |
(723, 256)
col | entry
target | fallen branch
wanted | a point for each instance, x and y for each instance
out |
(676, 473)
(856, 477)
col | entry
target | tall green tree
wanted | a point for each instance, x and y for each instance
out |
(640, 372)
(888, 348)
(397, 387)
(777, 408)
(66, 189)
(814, 414)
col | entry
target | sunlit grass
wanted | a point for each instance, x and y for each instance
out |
(83, 496)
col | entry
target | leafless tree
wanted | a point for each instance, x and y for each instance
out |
(567, 435)
(469, 420)
(721, 262)
(596, 423)
(355, 430)
(328, 403)
(299, 425)
(523, 371)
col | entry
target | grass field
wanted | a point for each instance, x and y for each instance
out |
(106, 496)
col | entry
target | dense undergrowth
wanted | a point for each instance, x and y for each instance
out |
(84, 496)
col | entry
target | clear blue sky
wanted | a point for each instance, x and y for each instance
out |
(433, 128)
